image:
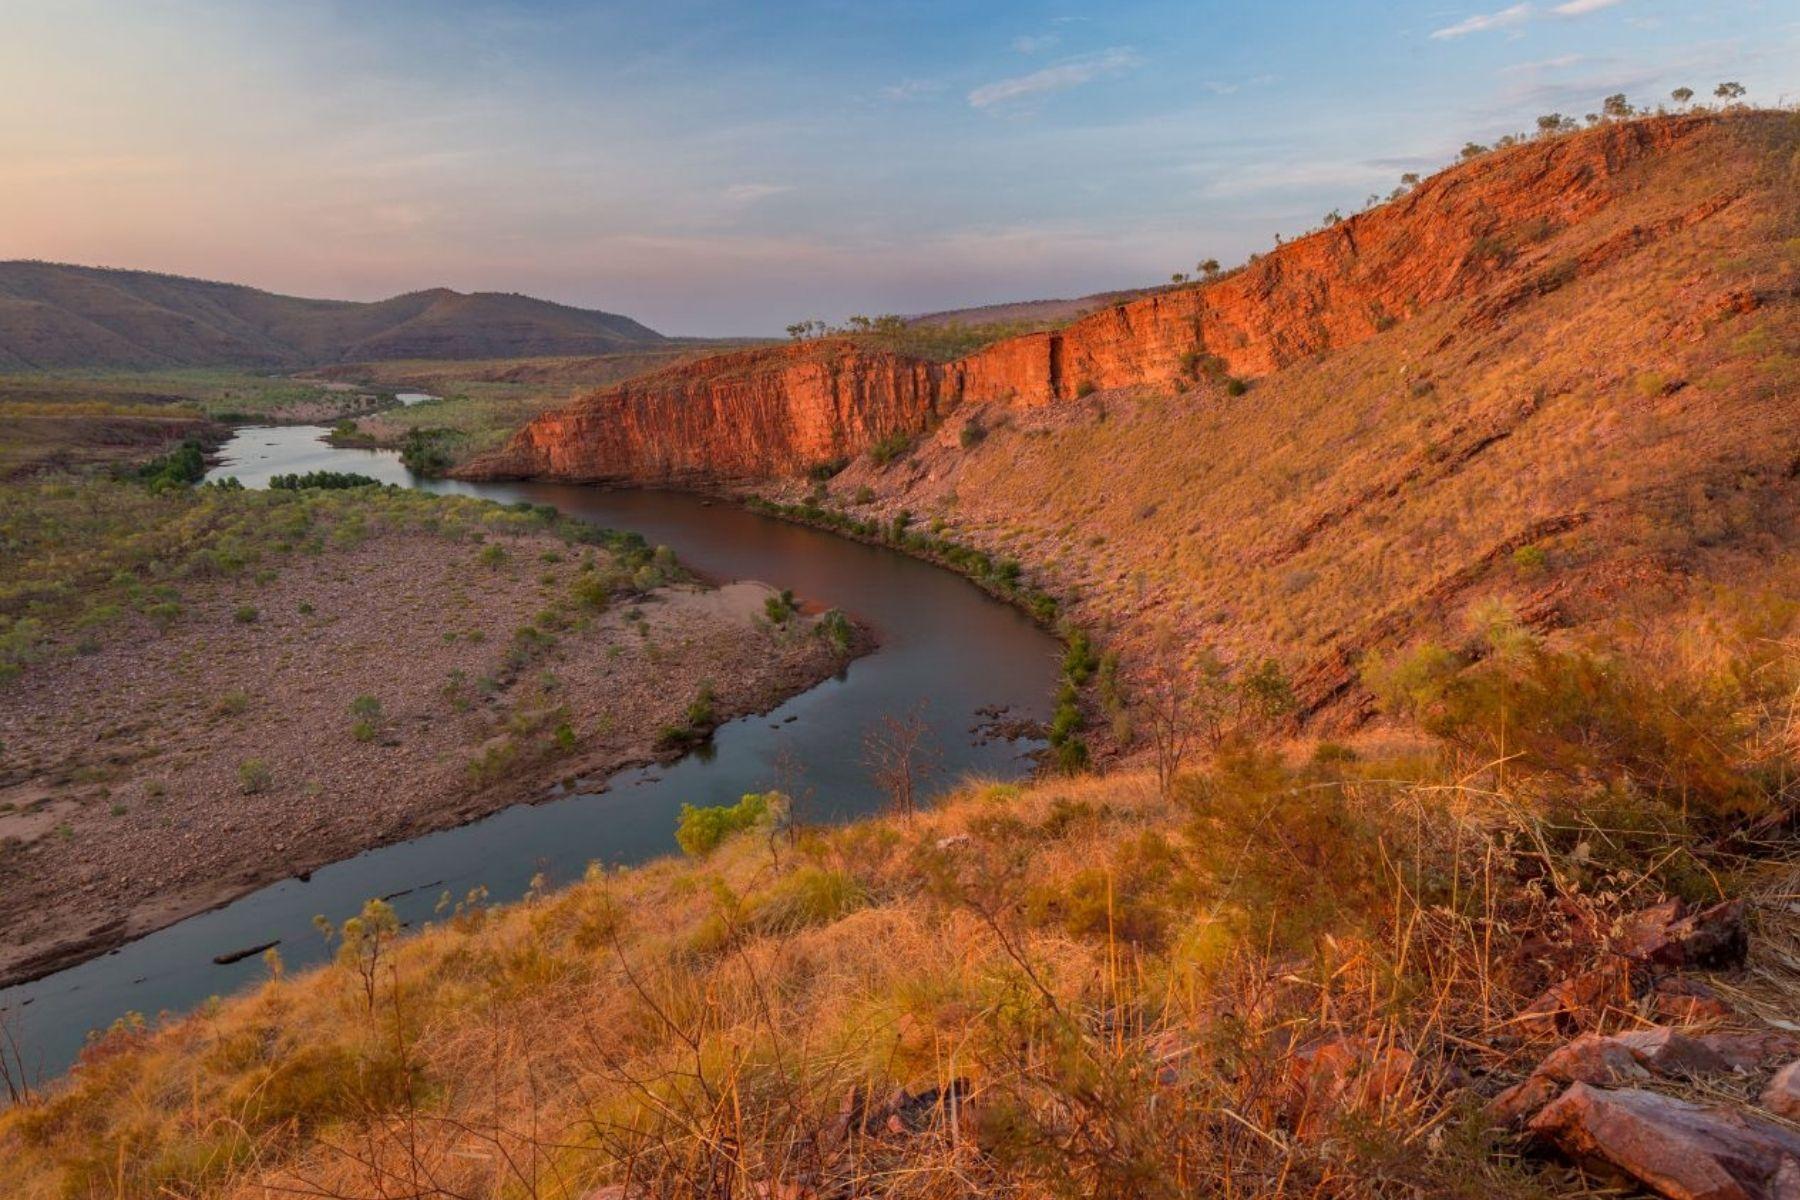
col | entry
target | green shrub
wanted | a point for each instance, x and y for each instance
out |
(181, 467)
(1688, 739)
(891, 447)
(367, 713)
(700, 711)
(1530, 560)
(245, 614)
(702, 829)
(972, 435)
(492, 556)
(254, 776)
(427, 451)
(327, 480)
(590, 590)
(1086, 388)
(835, 627)
(808, 897)
(779, 607)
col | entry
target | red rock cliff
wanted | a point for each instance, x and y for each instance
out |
(780, 410)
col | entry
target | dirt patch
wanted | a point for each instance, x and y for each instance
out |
(357, 698)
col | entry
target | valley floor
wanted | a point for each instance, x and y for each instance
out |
(422, 667)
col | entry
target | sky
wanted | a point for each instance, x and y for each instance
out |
(716, 168)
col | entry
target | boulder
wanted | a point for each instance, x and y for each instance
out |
(1670, 1052)
(1609, 1061)
(1345, 1075)
(1677, 1149)
(1680, 1000)
(1668, 935)
(1756, 1051)
(1782, 1096)
(1578, 1002)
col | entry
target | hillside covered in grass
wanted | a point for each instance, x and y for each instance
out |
(1298, 968)
(1563, 375)
(1560, 373)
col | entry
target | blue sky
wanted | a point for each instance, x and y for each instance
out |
(714, 167)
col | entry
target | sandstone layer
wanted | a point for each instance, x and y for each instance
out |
(784, 410)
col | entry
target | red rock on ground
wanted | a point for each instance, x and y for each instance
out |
(1669, 936)
(1610, 1061)
(1683, 1001)
(1782, 1096)
(1344, 1075)
(1578, 1002)
(1680, 1150)
(1752, 1051)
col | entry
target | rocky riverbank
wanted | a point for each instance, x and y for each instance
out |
(355, 698)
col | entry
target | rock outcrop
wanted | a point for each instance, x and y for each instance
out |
(1675, 1148)
(784, 410)
(744, 415)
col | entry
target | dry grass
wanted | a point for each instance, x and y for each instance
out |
(1629, 428)
(1112, 992)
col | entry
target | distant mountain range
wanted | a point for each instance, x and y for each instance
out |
(55, 315)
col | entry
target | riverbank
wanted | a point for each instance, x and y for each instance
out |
(339, 671)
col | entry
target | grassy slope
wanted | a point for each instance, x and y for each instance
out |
(1634, 424)
(1118, 978)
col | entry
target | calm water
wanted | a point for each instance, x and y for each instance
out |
(946, 649)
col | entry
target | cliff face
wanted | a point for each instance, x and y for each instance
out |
(744, 415)
(781, 410)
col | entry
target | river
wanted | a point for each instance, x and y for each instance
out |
(947, 650)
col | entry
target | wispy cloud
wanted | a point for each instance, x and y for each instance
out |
(911, 89)
(1519, 14)
(749, 193)
(1071, 73)
(1506, 18)
(1035, 43)
(1559, 63)
(1227, 87)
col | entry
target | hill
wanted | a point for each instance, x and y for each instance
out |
(53, 315)
(1036, 312)
(1561, 375)
(1538, 920)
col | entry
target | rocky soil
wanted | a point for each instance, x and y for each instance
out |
(163, 773)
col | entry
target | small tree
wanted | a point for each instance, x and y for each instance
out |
(1472, 150)
(1209, 268)
(1617, 107)
(1178, 277)
(1682, 95)
(1186, 700)
(896, 754)
(1729, 91)
(362, 941)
